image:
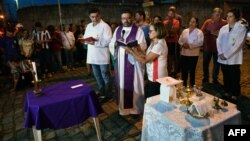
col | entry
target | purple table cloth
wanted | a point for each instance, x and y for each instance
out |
(60, 106)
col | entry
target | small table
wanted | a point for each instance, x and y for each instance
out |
(61, 106)
(170, 122)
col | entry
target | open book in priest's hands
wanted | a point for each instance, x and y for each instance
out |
(129, 44)
(89, 39)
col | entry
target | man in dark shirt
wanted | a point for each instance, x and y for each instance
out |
(211, 28)
(56, 47)
(10, 52)
(9, 45)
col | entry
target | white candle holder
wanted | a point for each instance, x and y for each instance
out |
(168, 88)
(37, 88)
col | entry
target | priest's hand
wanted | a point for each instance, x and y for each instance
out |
(90, 42)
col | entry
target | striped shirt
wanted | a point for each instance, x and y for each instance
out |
(40, 36)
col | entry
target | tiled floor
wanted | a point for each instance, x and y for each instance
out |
(113, 126)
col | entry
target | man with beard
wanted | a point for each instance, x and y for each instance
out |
(128, 72)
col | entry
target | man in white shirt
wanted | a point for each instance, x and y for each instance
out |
(129, 80)
(98, 53)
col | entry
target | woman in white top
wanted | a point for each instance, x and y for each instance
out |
(190, 40)
(155, 58)
(68, 40)
(229, 45)
(26, 45)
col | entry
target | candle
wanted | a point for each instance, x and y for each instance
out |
(34, 69)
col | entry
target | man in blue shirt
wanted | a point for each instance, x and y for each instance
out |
(9, 45)
(9, 52)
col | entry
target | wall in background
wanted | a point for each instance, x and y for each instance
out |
(73, 13)
(111, 12)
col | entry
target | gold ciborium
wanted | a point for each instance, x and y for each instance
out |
(189, 91)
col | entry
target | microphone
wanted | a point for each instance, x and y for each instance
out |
(123, 32)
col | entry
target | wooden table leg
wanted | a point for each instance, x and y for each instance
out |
(97, 127)
(37, 134)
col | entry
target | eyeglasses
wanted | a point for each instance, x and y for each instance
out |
(150, 31)
(230, 16)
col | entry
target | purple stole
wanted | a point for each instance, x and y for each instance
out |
(128, 72)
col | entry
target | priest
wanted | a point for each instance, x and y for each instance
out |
(129, 82)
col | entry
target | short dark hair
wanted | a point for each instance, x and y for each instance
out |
(160, 29)
(51, 28)
(127, 11)
(94, 10)
(141, 13)
(218, 9)
(28, 32)
(172, 11)
(82, 21)
(236, 13)
(159, 17)
(173, 8)
(197, 21)
(38, 24)
(25, 30)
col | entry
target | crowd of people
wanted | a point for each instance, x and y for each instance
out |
(140, 52)
(53, 48)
